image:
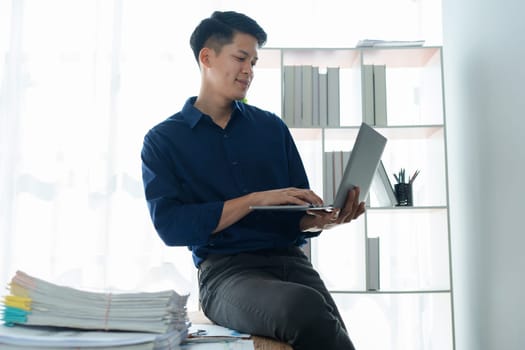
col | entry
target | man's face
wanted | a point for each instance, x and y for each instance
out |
(230, 71)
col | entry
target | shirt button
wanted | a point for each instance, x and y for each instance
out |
(226, 136)
(235, 162)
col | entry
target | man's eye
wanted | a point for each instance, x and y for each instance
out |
(240, 59)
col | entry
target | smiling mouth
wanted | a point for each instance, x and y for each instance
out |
(245, 83)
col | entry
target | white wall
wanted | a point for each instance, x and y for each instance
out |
(484, 58)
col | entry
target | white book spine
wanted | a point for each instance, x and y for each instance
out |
(315, 97)
(298, 88)
(338, 170)
(372, 264)
(380, 107)
(367, 83)
(329, 192)
(323, 100)
(307, 96)
(346, 157)
(288, 99)
(333, 96)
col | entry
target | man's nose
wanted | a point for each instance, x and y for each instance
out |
(247, 68)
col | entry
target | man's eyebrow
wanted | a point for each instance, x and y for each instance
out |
(246, 53)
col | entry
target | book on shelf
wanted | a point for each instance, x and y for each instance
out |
(323, 100)
(335, 163)
(307, 93)
(367, 79)
(373, 82)
(380, 114)
(389, 43)
(381, 191)
(297, 96)
(333, 96)
(372, 264)
(339, 167)
(316, 120)
(329, 183)
(288, 98)
(310, 98)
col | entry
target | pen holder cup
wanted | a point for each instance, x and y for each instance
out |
(403, 194)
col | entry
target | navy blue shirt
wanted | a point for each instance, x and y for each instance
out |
(191, 166)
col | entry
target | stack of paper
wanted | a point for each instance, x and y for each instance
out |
(160, 317)
(36, 337)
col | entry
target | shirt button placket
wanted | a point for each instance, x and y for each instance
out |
(230, 151)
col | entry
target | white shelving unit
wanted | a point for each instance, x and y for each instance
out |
(413, 308)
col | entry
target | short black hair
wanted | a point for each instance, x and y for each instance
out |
(218, 30)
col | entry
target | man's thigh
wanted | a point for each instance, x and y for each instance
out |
(262, 294)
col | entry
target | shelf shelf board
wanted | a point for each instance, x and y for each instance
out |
(392, 132)
(430, 208)
(349, 57)
(343, 58)
(400, 56)
(301, 134)
(388, 292)
(412, 131)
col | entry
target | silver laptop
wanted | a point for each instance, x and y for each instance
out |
(359, 171)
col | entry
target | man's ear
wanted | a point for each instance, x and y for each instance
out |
(204, 57)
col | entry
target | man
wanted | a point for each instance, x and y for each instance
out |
(202, 170)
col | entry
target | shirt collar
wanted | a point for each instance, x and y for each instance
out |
(192, 115)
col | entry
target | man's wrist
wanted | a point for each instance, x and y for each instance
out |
(307, 224)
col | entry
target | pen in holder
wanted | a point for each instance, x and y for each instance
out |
(403, 189)
(403, 194)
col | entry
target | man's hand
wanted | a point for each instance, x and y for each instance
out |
(352, 208)
(317, 220)
(290, 195)
(237, 208)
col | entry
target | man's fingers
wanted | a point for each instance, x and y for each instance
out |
(352, 212)
(302, 196)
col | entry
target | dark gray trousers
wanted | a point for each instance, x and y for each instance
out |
(274, 293)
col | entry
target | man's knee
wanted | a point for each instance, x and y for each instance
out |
(310, 321)
(303, 307)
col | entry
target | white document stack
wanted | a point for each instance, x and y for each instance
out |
(40, 314)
